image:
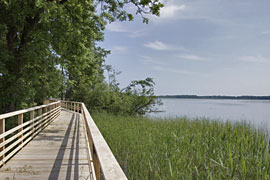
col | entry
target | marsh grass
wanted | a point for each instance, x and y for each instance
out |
(186, 149)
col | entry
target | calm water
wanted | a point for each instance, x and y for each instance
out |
(256, 112)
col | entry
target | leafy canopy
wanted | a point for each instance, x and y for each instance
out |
(48, 47)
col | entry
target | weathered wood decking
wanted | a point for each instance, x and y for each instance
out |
(58, 152)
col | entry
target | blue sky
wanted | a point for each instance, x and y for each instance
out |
(204, 47)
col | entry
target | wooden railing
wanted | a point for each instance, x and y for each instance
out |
(101, 158)
(27, 123)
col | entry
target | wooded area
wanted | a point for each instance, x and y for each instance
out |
(49, 49)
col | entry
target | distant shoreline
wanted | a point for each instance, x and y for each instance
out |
(216, 97)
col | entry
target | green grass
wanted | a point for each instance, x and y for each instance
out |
(185, 149)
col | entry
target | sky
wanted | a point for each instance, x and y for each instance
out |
(202, 47)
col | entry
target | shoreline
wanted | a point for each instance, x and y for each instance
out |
(215, 97)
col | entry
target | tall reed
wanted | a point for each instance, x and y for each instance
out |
(185, 149)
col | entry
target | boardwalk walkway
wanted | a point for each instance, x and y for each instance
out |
(58, 152)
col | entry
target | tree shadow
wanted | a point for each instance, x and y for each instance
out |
(54, 174)
(70, 161)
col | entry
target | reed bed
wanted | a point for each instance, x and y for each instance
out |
(185, 149)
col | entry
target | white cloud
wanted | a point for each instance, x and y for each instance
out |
(191, 10)
(170, 10)
(266, 32)
(191, 57)
(255, 59)
(162, 66)
(147, 60)
(118, 49)
(171, 70)
(119, 28)
(115, 27)
(157, 45)
(138, 33)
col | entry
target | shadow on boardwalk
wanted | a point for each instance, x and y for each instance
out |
(58, 152)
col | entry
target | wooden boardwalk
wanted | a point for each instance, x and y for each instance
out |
(58, 152)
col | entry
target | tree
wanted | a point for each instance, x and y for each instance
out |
(40, 38)
(142, 96)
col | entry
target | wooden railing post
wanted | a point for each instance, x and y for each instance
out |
(32, 115)
(59, 110)
(16, 137)
(91, 145)
(103, 161)
(74, 107)
(96, 164)
(20, 121)
(40, 112)
(2, 130)
(94, 155)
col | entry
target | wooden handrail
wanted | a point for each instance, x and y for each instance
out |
(10, 114)
(101, 159)
(13, 140)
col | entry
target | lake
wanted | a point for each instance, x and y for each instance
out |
(257, 112)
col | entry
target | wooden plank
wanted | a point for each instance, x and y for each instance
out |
(109, 165)
(71, 101)
(90, 157)
(38, 163)
(59, 152)
(21, 138)
(15, 113)
(43, 156)
(14, 151)
(39, 111)
(28, 173)
(32, 116)
(20, 122)
(14, 129)
(2, 130)
(96, 165)
(26, 123)
(38, 125)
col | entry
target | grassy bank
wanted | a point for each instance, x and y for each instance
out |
(184, 149)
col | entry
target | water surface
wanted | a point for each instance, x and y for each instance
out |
(256, 112)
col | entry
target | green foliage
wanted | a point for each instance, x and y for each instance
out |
(48, 48)
(115, 9)
(185, 149)
(136, 99)
(142, 98)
